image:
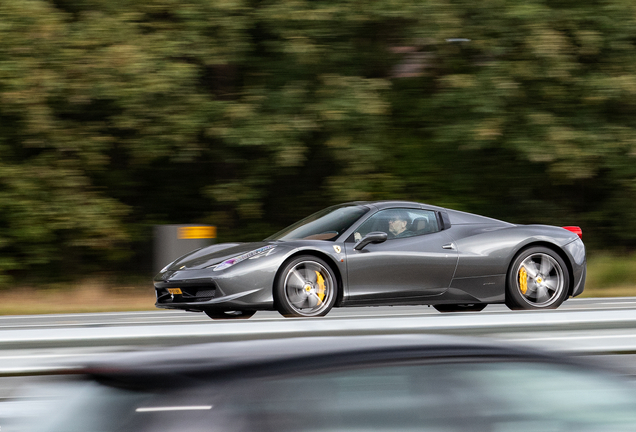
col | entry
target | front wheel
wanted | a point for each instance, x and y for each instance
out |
(306, 287)
(227, 315)
(538, 279)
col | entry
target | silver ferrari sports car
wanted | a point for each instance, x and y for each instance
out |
(380, 253)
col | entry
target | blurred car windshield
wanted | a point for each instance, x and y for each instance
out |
(327, 224)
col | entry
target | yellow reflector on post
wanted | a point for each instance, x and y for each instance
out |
(197, 232)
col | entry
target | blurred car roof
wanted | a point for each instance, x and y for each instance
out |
(223, 360)
(327, 384)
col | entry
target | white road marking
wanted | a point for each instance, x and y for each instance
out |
(596, 309)
(42, 356)
(617, 303)
(572, 338)
(175, 408)
(90, 314)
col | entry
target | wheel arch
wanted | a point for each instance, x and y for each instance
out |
(318, 254)
(553, 247)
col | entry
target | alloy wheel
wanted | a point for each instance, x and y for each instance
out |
(540, 280)
(309, 288)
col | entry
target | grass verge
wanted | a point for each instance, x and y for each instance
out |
(610, 275)
(87, 296)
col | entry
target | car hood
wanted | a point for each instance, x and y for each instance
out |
(214, 254)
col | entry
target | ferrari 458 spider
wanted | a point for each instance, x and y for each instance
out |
(380, 253)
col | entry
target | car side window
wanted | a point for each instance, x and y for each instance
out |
(378, 399)
(399, 223)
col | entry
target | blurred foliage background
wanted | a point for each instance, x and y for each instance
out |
(250, 114)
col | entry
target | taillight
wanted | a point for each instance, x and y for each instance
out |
(576, 230)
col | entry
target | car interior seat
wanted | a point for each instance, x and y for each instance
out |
(420, 226)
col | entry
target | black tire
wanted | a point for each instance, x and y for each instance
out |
(537, 279)
(472, 307)
(305, 287)
(228, 315)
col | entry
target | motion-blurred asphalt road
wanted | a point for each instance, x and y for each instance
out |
(177, 317)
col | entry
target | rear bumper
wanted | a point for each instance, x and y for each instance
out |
(576, 254)
(580, 285)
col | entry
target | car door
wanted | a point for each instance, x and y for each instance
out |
(405, 267)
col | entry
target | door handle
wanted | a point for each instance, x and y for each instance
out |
(449, 246)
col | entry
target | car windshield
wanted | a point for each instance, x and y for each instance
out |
(327, 224)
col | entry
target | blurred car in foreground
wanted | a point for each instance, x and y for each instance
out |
(380, 253)
(358, 383)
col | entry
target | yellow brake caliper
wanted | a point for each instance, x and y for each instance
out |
(321, 286)
(523, 280)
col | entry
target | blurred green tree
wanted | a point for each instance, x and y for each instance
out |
(119, 114)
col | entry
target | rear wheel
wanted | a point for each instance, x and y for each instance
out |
(472, 307)
(306, 287)
(538, 279)
(225, 315)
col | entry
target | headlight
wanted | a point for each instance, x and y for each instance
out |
(264, 251)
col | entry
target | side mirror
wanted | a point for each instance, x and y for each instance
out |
(374, 237)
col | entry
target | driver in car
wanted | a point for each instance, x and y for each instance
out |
(397, 225)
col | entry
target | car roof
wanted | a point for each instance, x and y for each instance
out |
(273, 356)
(396, 203)
(456, 216)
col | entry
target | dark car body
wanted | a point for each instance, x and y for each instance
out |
(463, 259)
(348, 383)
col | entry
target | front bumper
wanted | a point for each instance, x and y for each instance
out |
(198, 297)
(190, 293)
(203, 289)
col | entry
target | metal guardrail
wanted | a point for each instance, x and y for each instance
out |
(567, 324)
(50, 350)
